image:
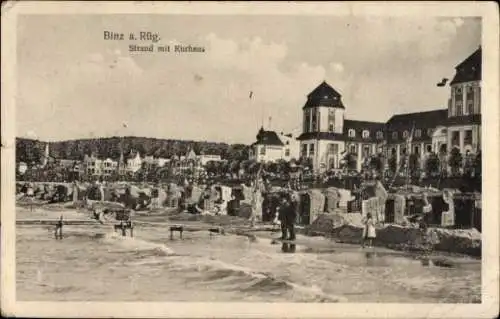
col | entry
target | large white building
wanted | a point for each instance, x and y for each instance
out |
(327, 136)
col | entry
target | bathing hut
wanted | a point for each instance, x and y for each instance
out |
(332, 199)
(311, 204)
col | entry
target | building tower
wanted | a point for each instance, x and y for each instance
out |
(464, 106)
(322, 122)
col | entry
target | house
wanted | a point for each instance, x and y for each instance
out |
(205, 158)
(267, 148)
(22, 168)
(108, 167)
(161, 162)
(91, 166)
(189, 163)
(134, 162)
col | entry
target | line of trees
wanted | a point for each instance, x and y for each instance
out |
(436, 164)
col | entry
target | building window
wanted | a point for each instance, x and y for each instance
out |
(458, 101)
(380, 135)
(470, 107)
(403, 150)
(416, 150)
(418, 132)
(468, 137)
(352, 149)
(455, 138)
(263, 150)
(405, 134)
(366, 134)
(304, 150)
(479, 100)
(470, 100)
(306, 121)
(333, 148)
(351, 133)
(311, 150)
(314, 121)
(428, 148)
(366, 150)
(459, 108)
(429, 132)
(394, 135)
(331, 120)
(287, 152)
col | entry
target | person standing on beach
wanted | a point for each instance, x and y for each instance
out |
(368, 231)
(287, 216)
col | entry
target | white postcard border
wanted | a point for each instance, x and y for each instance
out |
(490, 131)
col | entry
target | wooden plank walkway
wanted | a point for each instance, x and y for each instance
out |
(56, 221)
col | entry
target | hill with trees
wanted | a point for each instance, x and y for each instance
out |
(29, 151)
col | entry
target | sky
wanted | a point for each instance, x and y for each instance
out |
(74, 84)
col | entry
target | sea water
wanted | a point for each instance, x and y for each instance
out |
(96, 264)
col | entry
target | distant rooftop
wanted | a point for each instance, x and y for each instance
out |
(268, 138)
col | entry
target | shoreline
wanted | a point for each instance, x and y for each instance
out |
(449, 242)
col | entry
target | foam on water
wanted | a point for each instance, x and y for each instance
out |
(133, 244)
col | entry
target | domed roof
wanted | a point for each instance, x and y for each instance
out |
(324, 95)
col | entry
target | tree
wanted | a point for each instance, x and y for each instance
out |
(283, 167)
(414, 164)
(377, 162)
(211, 167)
(469, 164)
(455, 161)
(393, 164)
(478, 165)
(234, 167)
(432, 165)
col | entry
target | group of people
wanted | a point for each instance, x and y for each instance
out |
(287, 215)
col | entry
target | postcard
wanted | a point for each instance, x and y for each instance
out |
(264, 159)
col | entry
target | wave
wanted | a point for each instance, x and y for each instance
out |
(140, 248)
(249, 281)
(216, 273)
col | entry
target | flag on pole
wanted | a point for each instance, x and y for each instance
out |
(410, 138)
(251, 94)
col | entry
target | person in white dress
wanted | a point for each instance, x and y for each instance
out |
(368, 231)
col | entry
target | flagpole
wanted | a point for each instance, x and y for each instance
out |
(409, 142)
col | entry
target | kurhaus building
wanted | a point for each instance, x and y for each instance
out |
(327, 136)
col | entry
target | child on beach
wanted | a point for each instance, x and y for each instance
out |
(368, 231)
